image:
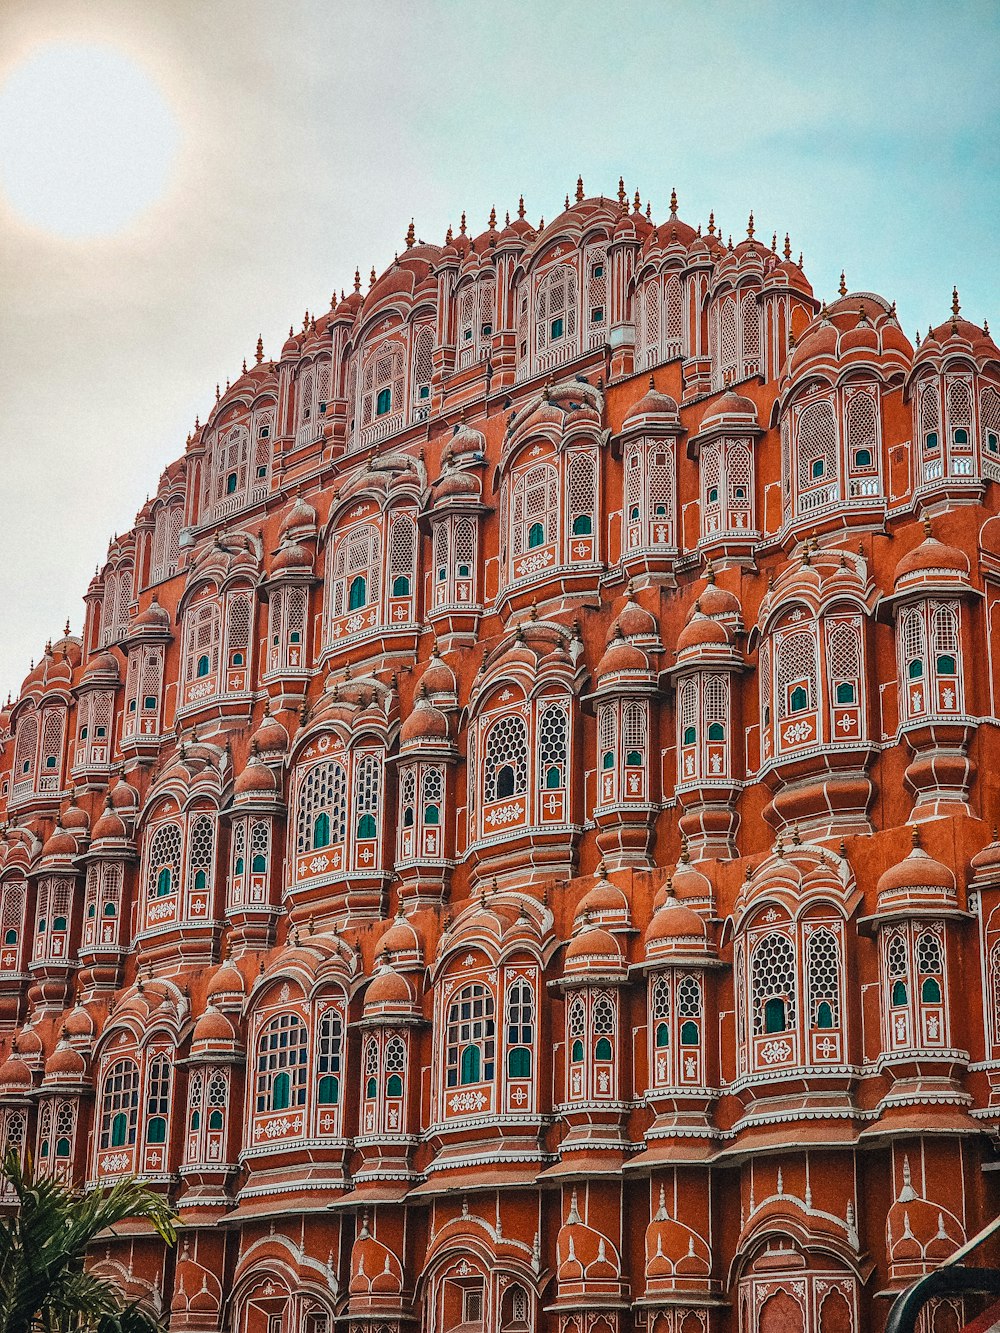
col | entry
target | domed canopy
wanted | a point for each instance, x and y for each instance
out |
(918, 882)
(675, 929)
(654, 409)
(426, 725)
(932, 562)
(604, 905)
(593, 951)
(213, 1029)
(388, 992)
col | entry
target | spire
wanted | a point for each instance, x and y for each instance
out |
(520, 207)
(955, 307)
(411, 236)
(357, 280)
(622, 197)
(637, 203)
(788, 247)
(461, 225)
(673, 203)
(750, 228)
(567, 203)
(259, 353)
(579, 189)
(371, 278)
(711, 223)
(843, 284)
(493, 218)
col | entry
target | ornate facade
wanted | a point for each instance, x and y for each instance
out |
(510, 850)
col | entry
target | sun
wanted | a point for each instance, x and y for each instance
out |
(87, 139)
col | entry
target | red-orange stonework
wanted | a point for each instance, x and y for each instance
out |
(511, 849)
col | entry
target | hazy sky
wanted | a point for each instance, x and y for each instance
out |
(298, 137)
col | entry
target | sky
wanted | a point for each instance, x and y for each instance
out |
(178, 176)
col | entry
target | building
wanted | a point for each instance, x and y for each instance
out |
(512, 847)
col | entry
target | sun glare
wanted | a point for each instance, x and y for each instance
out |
(86, 139)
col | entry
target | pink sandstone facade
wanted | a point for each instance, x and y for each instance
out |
(512, 848)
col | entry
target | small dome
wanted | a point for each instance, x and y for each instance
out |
(387, 990)
(592, 950)
(635, 621)
(102, 666)
(228, 982)
(731, 409)
(74, 817)
(298, 516)
(401, 938)
(675, 925)
(426, 725)
(621, 657)
(15, 1076)
(270, 737)
(931, 558)
(986, 863)
(917, 881)
(255, 780)
(60, 842)
(659, 407)
(291, 555)
(604, 903)
(65, 1063)
(719, 602)
(213, 1028)
(153, 617)
(701, 632)
(438, 678)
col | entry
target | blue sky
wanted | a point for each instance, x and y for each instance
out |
(305, 134)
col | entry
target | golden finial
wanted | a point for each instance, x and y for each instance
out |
(66, 627)
(915, 836)
(493, 218)
(730, 242)
(673, 203)
(843, 284)
(927, 525)
(579, 189)
(637, 203)
(622, 196)
(259, 353)
(305, 321)
(371, 278)
(411, 236)
(750, 228)
(649, 211)
(955, 307)
(218, 395)
(567, 203)
(506, 218)
(862, 314)
(520, 207)
(449, 235)
(711, 223)
(652, 382)
(461, 225)
(357, 280)
(788, 246)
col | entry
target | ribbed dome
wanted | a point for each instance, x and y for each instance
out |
(387, 990)
(593, 949)
(15, 1076)
(425, 725)
(917, 881)
(932, 557)
(653, 405)
(227, 981)
(65, 1063)
(213, 1028)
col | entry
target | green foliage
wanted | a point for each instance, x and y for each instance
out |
(44, 1286)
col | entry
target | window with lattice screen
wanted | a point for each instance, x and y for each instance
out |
(556, 302)
(929, 417)
(772, 984)
(795, 669)
(402, 555)
(534, 508)
(321, 807)
(750, 328)
(816, 445)
(823, 978)
(862, 424)
(505, 758)
(354, 569)
(423, 364)
(958, 396)
(581, 491)
(203, 632)
(163, 865)
(367, 795)
(553, 746)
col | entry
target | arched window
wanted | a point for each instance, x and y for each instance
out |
(823, 978)
(930, 967)
(817, 447)
(534, 511)
(367, 794)
(914, 643)
(577, 1028)
(898, 969)
(470, 1047)
(795, 666)
(282, 1057)
(395, 1067)
(380, 388)
(201, 852)
(120, 1105)
(660, 1007)
(520, 1029)
(553, 746)
(581, 497)
(402, 555)
(354, 566)
(203, 632)
(929, 411)
(328, 1058)
(689, 1009)
(157, 1099)
(556, 309)
(505, 758)
(862, 423)
(772, 983)
(321, 815)
(423, 369)
(844, 668)
(164, 861)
